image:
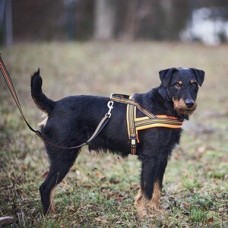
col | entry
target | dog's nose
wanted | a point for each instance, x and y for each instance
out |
(189, 103)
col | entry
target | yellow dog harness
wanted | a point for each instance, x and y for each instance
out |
(135, 124)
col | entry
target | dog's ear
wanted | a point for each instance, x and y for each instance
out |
(165, 76)
(199, 75)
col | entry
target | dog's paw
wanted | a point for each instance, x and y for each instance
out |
(142, 213)
(155, 210)
(140, 204)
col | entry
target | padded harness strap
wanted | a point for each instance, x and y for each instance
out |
(131, 128)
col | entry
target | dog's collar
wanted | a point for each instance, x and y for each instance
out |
(135, 124)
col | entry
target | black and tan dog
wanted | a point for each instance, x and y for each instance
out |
(72, 120)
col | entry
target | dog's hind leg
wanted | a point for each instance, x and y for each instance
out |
(58, 169)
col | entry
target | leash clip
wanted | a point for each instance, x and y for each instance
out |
(110, 106)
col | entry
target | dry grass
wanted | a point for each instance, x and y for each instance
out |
(99, 191)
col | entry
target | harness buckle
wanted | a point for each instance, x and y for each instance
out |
(133, 142)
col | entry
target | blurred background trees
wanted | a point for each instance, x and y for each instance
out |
(102, 19)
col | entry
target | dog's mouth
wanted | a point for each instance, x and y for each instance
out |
(182, 109)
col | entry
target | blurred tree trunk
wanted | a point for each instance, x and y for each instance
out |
(137, 11)
(104, 19)
(168, 28)
(131, 22)
(6, 23)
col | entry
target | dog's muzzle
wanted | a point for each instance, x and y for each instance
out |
(184, 107)
(189, 103)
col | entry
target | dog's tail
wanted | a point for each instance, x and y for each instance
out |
(44, 103)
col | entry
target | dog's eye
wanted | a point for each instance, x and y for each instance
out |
(195, 84)
(178, 85)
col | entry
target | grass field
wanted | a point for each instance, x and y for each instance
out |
(100, 188)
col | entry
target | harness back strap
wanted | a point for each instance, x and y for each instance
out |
(126, 99)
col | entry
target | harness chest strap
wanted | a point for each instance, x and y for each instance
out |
(135, 124)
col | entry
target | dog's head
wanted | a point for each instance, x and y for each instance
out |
(182, 86)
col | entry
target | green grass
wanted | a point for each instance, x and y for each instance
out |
(99, 191)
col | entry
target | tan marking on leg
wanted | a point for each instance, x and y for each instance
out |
(155, 201)
(140, 204)
(147, 207)
(154, 206)
(52, 205)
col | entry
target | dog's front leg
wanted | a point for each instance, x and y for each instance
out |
(157, 187)
(144, 200)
